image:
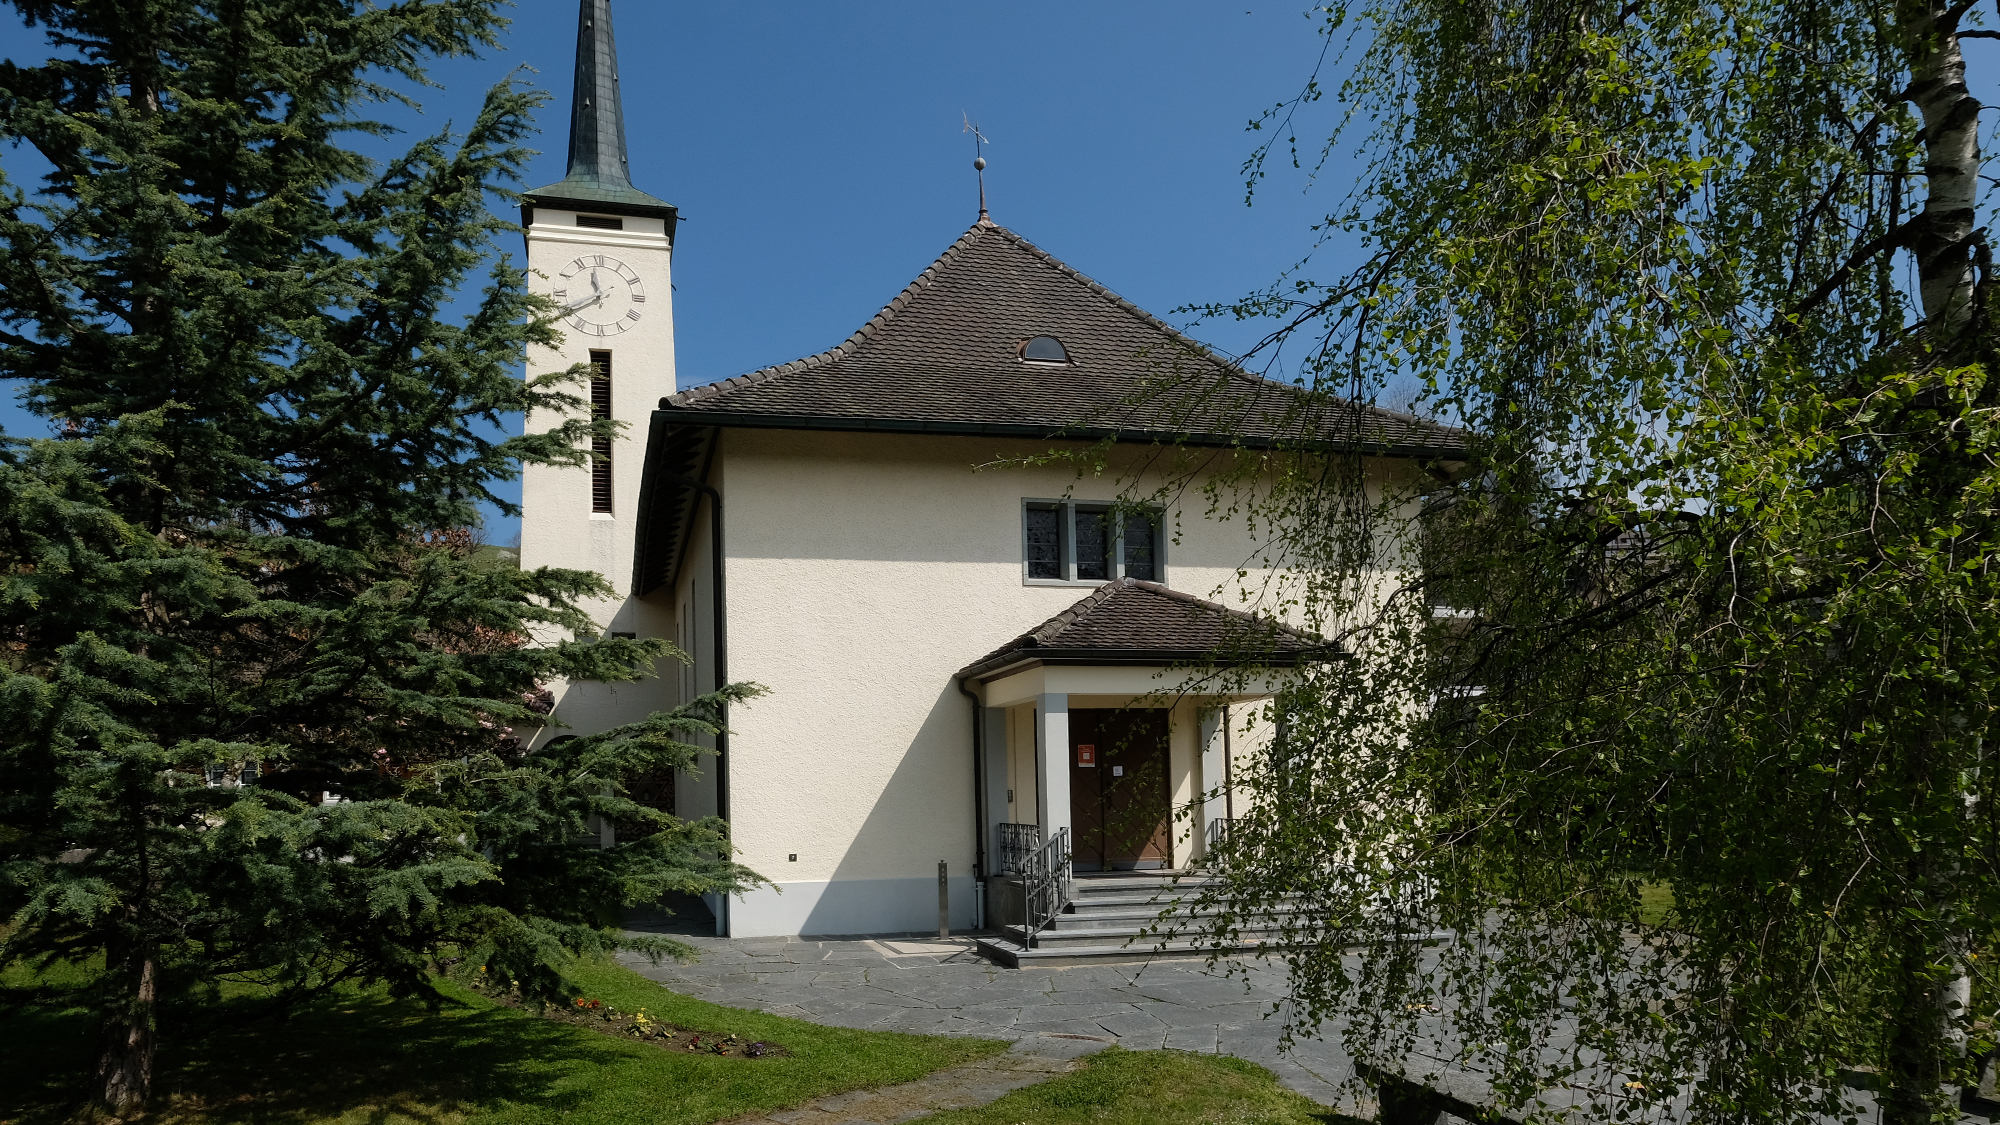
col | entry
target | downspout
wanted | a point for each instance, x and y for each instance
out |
(978, 783)
(721, 657)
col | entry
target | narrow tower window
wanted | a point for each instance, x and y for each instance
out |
(600, 447)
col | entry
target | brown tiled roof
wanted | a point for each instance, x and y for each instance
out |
(944, 357)
(1129, 621)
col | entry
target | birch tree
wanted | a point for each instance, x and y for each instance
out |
(1675, 720)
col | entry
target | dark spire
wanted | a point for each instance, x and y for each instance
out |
(599, 171)
(596, 114)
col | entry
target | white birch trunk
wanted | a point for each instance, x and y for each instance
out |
(1944, 235)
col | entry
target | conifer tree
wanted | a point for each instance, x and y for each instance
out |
(263, 712)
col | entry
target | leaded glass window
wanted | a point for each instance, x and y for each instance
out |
(1045, 553)
(1080, 542)
(1138, 550)
(1093, 561)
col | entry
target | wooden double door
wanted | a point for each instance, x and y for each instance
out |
(1121, 813)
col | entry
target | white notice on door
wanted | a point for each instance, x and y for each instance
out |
(1117, 771)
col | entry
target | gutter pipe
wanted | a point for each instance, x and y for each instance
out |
(979, 871)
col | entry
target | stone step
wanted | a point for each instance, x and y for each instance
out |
(1139, 896)
(1008, 951)
(1098, 887)
(1008, 948)
(1091, 883)
(1131, 898)
(1109, 913)
(1111, 917)
(1123, 889)
(1135, 935)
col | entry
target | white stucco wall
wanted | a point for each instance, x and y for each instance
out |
(863, 570)
(692, 603)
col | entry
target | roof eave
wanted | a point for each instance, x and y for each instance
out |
(554, 197)
(845, 424)
(1023, 659)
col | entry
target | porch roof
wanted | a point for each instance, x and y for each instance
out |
(1132, 622)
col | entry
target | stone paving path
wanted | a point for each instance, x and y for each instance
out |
(1032, 1060)
(905, 982)
(913, 983)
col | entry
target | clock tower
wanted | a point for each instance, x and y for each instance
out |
(603, 250)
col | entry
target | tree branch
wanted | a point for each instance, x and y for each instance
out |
(1894, 238)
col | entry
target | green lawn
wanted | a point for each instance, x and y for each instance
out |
(1117, 1087)
(362, 1057)
(1656, 904)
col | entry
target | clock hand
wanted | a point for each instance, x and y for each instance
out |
(583, 302)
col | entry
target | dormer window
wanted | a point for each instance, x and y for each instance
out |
(1044, 349)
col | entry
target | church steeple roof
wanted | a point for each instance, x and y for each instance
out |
(599, 174)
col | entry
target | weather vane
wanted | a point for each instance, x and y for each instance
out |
(979, 143)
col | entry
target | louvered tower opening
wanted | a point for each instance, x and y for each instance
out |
(600, 447)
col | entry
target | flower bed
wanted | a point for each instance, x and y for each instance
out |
(597, 1016)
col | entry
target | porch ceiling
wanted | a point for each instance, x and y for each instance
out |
(1127, 685)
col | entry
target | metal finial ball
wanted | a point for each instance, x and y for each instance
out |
(979, 164)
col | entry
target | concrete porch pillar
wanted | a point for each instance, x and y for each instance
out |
(1052, 763)
(1213, 771)
(993, 734)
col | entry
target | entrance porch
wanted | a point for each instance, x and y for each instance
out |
(1111, 802)
(1107, 756)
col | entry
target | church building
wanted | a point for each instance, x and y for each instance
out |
(976, 657)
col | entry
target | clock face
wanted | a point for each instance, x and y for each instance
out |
(600, 295)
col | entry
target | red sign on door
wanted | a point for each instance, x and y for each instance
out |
(1086, 754)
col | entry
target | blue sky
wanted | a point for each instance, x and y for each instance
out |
(818, 159)
(816, 152)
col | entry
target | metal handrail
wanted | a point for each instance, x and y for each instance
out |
(1048, 883)
(1219, 829)
(1018, 845)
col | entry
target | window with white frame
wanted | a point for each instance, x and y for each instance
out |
(1085, 543)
